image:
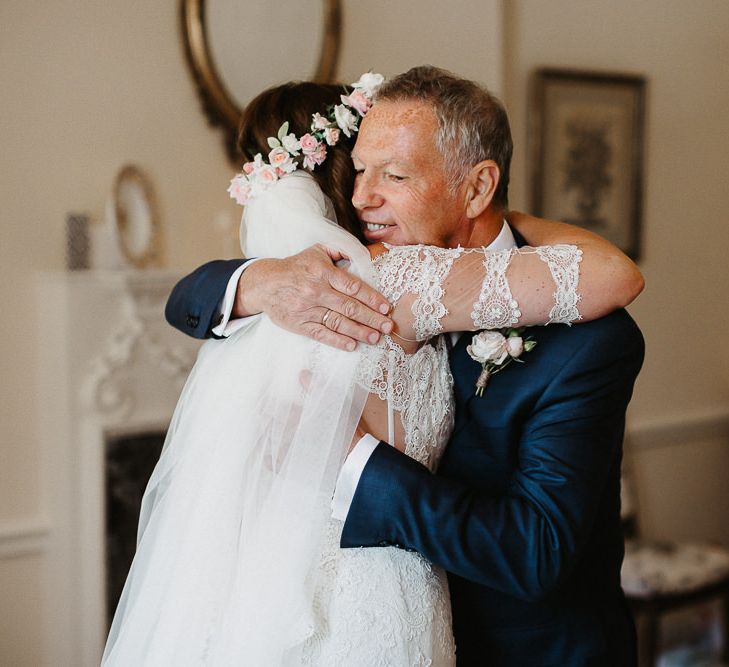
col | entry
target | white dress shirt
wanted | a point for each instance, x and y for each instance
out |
(226, 326)
(357, 459)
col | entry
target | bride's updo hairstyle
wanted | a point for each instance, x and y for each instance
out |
(295, 102)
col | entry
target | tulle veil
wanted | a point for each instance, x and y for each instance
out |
(234, 514)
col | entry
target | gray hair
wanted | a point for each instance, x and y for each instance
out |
(472, 123)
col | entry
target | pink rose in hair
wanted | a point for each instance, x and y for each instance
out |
(308, 144)
(357, 100)
(250, 167)
(320, 154)
(266, 175)
(331, 135)
(240, 189)
(280, 159)
(315, 158)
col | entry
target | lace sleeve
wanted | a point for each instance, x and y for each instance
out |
(564, 265)
(496, 306)
(420, 271)
(461, 289)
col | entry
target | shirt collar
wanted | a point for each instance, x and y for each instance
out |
(504, 240)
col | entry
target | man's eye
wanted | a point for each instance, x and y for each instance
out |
(397, 178)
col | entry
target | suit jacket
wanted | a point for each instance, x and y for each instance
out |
(524, 511)
(193, 304)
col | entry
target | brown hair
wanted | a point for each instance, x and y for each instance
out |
(472, 123)
(295, 102)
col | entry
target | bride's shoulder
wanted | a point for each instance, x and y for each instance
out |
(376, 250)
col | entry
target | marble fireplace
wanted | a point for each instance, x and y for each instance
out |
(110, 372)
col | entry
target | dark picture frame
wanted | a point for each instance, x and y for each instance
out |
(586, 137)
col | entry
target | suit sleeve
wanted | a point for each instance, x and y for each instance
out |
(523, 541)
(193, 304)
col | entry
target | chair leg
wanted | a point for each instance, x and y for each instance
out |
(648, 637)
(725, 651)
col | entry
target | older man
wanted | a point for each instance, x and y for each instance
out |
(524, 511)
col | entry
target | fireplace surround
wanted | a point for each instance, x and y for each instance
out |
(110, 372)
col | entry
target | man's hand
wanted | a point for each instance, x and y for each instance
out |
(307, 294)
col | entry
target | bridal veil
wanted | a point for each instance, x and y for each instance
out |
(235, 511)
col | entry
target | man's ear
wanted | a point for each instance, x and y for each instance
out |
(482, 182)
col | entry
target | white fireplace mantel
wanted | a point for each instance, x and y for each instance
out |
(108, 365)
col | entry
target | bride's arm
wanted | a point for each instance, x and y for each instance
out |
(579, 276)
(609, 279)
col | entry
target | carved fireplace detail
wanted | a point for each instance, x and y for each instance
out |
(111, 370)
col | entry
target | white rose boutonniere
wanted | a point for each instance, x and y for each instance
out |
(495, 350)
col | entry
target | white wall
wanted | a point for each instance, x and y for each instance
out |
(464, 36)
(85, 87)
(89, 86)
(682, 50)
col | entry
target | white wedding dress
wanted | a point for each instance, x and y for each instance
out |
(238, 559)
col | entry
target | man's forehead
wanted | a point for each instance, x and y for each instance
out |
(386, 114)
(395, 124)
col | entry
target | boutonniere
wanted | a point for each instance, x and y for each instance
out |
(495, 350)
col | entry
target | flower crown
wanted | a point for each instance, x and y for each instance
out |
(289, 151)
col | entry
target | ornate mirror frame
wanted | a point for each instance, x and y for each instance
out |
(132, 176)
(218, 104)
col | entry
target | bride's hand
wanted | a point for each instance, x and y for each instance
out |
(308, 295)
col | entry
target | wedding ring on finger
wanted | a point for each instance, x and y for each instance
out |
(326, 317)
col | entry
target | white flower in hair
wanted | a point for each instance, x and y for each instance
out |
(289, 151)
(368, 83)
(291, 144)
(318, 122)
(331, 135)
(346, 120)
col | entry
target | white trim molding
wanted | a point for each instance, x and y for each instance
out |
(681, 429)
(23, 537)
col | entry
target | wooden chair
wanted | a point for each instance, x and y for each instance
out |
(661, 577)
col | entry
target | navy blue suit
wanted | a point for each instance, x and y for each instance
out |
(524, 511)
(193, 304)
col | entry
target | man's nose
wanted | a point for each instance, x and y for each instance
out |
(365, 194)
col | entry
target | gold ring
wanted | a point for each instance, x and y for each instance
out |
(326, 316)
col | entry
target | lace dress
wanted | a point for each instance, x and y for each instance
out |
(386, 606)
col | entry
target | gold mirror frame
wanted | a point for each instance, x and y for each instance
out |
(131, 174)
(218, 104)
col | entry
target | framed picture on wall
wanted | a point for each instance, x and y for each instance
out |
(586, 152)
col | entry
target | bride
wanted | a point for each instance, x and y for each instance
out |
(238, 559)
